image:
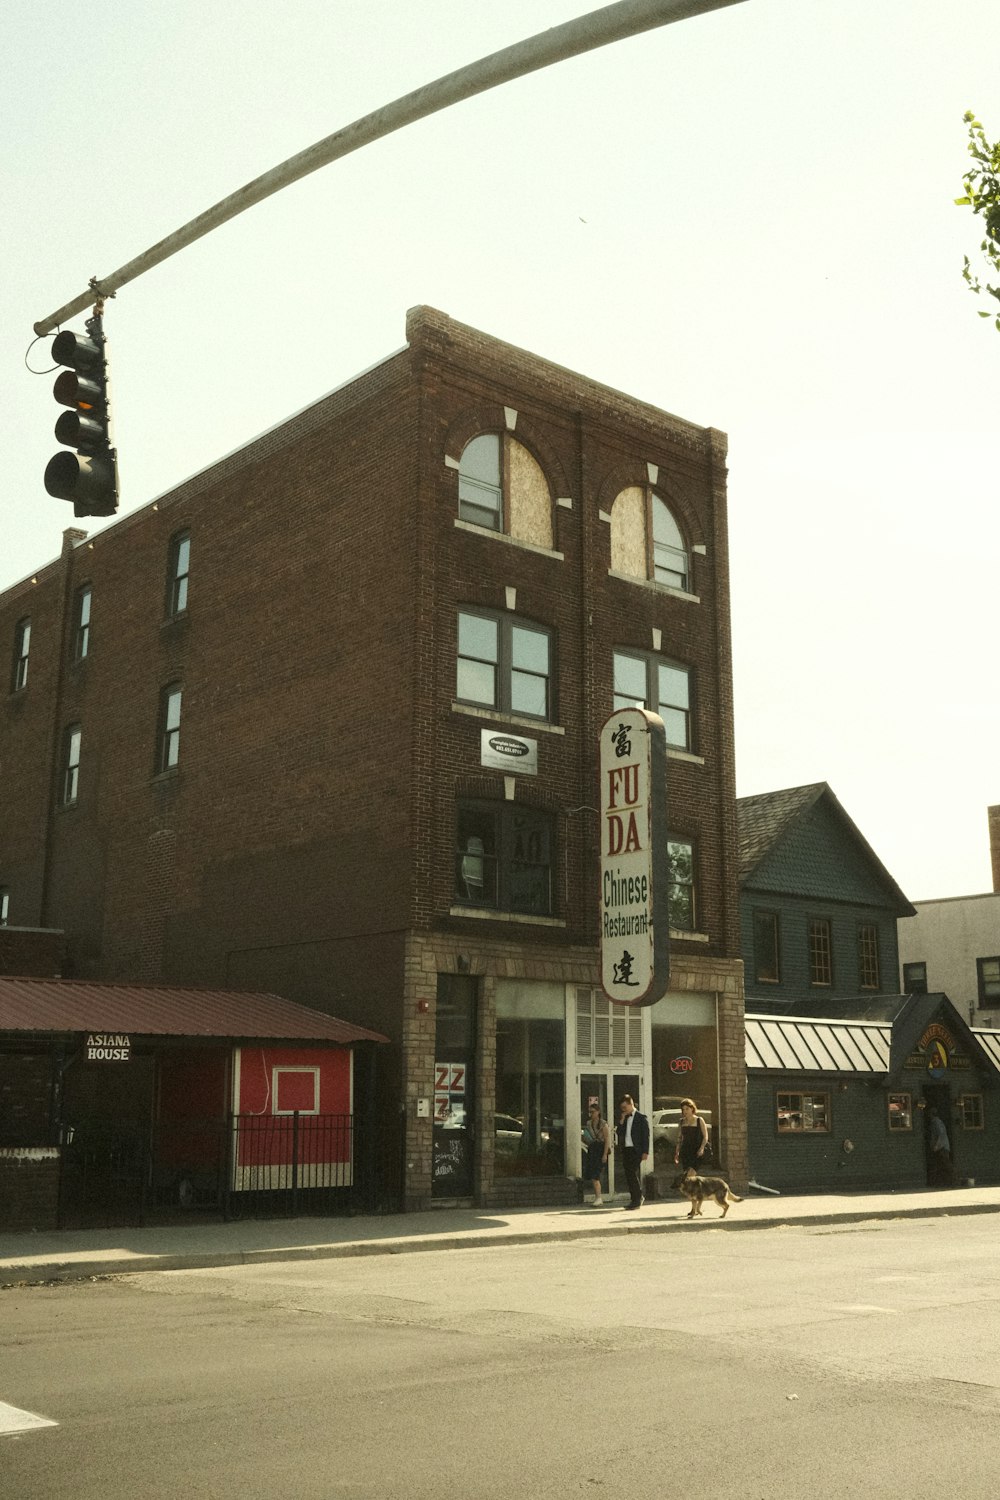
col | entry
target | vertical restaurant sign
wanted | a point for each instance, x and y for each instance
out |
(634, 923)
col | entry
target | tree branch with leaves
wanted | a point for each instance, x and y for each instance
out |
(982, 195)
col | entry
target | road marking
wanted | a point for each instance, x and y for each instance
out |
(13, 1419)
(861, 1307)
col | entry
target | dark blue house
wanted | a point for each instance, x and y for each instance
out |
(843, 1072)
(818, 907)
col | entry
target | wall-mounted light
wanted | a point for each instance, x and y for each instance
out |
(463, 963)
(423, 1006)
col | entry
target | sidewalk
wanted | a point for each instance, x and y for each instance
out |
(76, 1254)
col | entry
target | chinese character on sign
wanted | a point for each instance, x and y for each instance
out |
(621, 741)
(623, 971)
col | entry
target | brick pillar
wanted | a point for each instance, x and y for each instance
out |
(993, 814)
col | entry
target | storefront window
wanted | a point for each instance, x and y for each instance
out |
(685, 1065)
(900, 1112)
(803, 1112)
(530, 1126)
(972, 1111)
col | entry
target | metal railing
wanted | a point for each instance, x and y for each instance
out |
(240, 1166)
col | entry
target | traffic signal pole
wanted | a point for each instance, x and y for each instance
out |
(599, 28)
(88, 477)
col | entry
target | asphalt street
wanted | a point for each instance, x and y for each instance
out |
(830, 1359)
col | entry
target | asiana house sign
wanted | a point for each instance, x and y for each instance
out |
(635, 932)
(108, 1046)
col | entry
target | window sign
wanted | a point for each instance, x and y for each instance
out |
(449, 1093)
(634, 885)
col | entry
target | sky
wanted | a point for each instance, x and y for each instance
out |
(744, 218)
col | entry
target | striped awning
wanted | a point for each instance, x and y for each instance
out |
(817, 1046)
(990, 1043)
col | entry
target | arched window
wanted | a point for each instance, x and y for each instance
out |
(480, 493)
(646, 540)
(501, 487)
(670, 559)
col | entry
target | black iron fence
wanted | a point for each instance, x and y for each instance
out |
(242, 1166)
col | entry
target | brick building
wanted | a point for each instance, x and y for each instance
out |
(323, 721)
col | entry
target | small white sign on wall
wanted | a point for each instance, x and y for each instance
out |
(508, 752)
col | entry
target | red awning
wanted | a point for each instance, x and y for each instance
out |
(62, 1005)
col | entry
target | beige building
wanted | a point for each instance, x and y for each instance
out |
(953, 946)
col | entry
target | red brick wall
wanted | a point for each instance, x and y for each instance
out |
(594, 441)
(311, 819)
(32, 952)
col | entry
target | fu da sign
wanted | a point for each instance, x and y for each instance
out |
(635, 929)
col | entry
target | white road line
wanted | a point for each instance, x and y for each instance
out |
(13, 1419)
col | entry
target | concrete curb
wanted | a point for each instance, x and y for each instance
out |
(80, 1269)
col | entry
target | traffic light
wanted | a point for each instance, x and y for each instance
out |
(88, 477)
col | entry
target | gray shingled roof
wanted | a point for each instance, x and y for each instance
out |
(761, 820)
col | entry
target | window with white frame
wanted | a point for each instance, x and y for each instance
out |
(72, 740)
(168, 739)
(178, 573)
(820, 951)
(81, 622)
(295, 1090)
(22, 645)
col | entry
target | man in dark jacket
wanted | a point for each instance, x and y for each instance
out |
(633, 1142)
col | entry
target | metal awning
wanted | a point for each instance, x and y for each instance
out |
(990, 1043)
(69, 1005)
(809, 1045)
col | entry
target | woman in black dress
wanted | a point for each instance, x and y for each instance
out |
(692, 1137)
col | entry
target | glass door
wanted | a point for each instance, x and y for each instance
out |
(606, 1089)
(454, 1113)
